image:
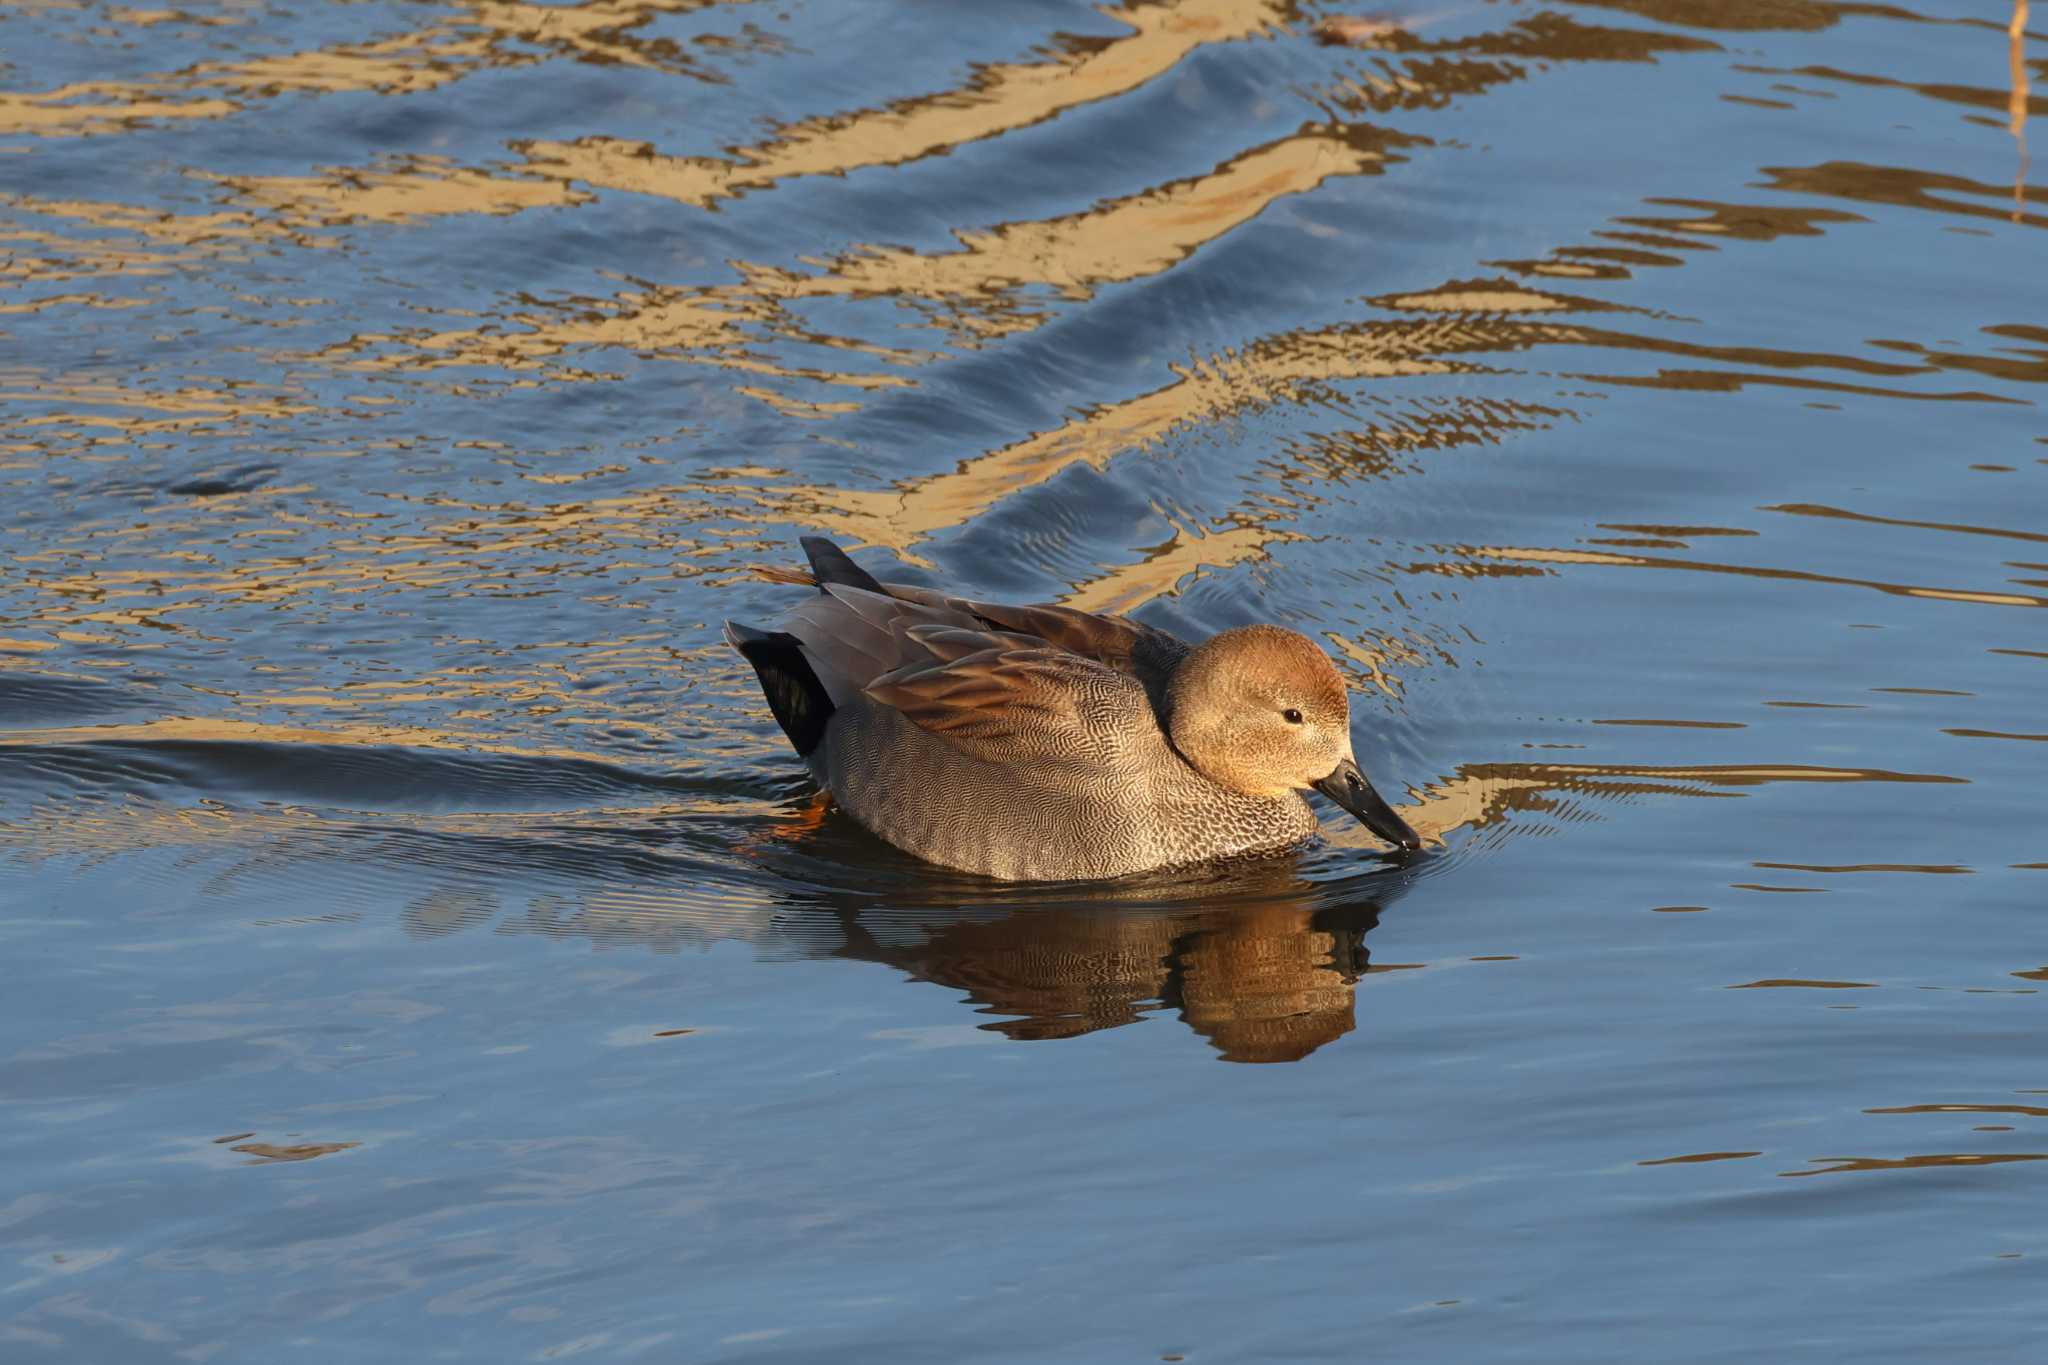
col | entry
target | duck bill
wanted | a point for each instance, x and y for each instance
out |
(1348, 788)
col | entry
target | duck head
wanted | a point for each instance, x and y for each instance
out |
(1262, 711)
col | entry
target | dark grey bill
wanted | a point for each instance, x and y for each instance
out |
(1349, 789)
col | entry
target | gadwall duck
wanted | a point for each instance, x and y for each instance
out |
(1041, 743)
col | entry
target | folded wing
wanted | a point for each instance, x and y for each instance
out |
(1001, 682)
(1015, 699)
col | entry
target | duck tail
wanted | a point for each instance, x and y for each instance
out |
(798, 700)
(830, 564)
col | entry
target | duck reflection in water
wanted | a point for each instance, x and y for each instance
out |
(1260, 957)
(1263, 984)
(1257, 959)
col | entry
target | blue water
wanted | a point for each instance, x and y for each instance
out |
(419, 943)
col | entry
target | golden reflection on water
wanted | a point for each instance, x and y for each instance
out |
(1803, 509)
(399, 190)
(1290, 368)
(270, 1153)
(178, 241)
(971, 294)
(1281, 369)
(1115, 242)
(184, 408)
(1802, 984)
(1934, 868)
(972, 291)
(487, 34)
(1004, 97)
(2029, 1110)
(1908, 187)
(222, 730)
(1831, 1165)
(1480, 559)
(1483, 794)
(2018, 104)
(1695, 1158)
(999, 98)
(974, 294)
(997, 282)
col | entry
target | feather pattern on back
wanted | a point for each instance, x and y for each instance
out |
(1012, 703)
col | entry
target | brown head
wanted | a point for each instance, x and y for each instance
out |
(1262, 711)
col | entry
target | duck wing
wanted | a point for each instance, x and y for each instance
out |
(1008, 698)
(853, 636)
(997, 680)
(1130, 647)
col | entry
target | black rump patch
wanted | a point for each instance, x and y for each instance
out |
(794, 693)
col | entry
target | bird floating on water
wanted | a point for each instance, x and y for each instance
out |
(1041, 743)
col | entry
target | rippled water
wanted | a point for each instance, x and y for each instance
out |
(419, 938)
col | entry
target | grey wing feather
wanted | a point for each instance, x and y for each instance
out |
(853, 636)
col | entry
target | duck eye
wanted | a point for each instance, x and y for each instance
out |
(1291, 716)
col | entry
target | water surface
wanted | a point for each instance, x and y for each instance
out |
(418, 935)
